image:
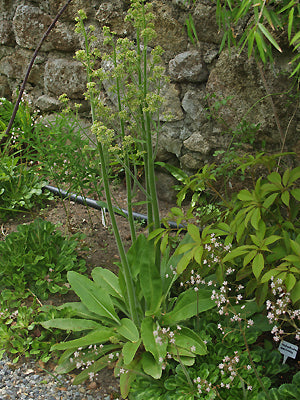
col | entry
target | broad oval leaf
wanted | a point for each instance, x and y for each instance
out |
(94, 298)
(190, 340)
(296, 193)
(285, 197)
(128, 330)
(147, 328)
(151, 366)
(245, 195)
(107, 280)
(129, 351)
(188, 304)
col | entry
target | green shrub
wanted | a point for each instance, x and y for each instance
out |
(38, 257)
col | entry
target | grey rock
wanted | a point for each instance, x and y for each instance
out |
(197, 142)
(193, 104)
(188, 66)
(191, 161)
(6, 33)
(29, 25)
(170, 33)
(165, 187)
(171, 106)
(47, 103)
(63, 76)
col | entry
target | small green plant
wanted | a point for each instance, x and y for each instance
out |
(21, 334)
(20, 187)
(241, 361)
(111, 337)
(22, 128)
(263, 229)
(38, 257)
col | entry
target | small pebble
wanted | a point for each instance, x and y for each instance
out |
(24, 383)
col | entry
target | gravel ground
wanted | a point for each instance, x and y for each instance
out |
(23, 382)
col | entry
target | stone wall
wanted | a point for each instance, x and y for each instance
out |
(199, 75)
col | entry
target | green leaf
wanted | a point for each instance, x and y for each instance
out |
(95, 337)
(290, 282)
(149, 275)
(288, 390)
(275, 178)
(260, 45)
(255, 218)
(237, 252)
(294, 175)
(248, 257)
(79, 309)
(188, 304)
(147, 328)
(190, 340)
(129, 351)
(271, 239)
(258, 265)
(290, 24)
(245, 195)
(295, 293)
(71, 324)
(183, 263)
(128, 330)
(269, 201)
(176, 172)
(98, 365)
(261, 293)
(151, 366)
(285, 197)
(295, 38)
(107, 280)
(127, 378)
(295, 246)
(296, 194)
(96, 300)
(194, 232)
(267, 276)
(269, 37)
(285, 177)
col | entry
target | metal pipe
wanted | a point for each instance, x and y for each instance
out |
(100, 205)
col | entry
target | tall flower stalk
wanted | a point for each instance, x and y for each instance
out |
(130, 75)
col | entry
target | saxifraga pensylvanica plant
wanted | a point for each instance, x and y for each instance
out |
(121, 317)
